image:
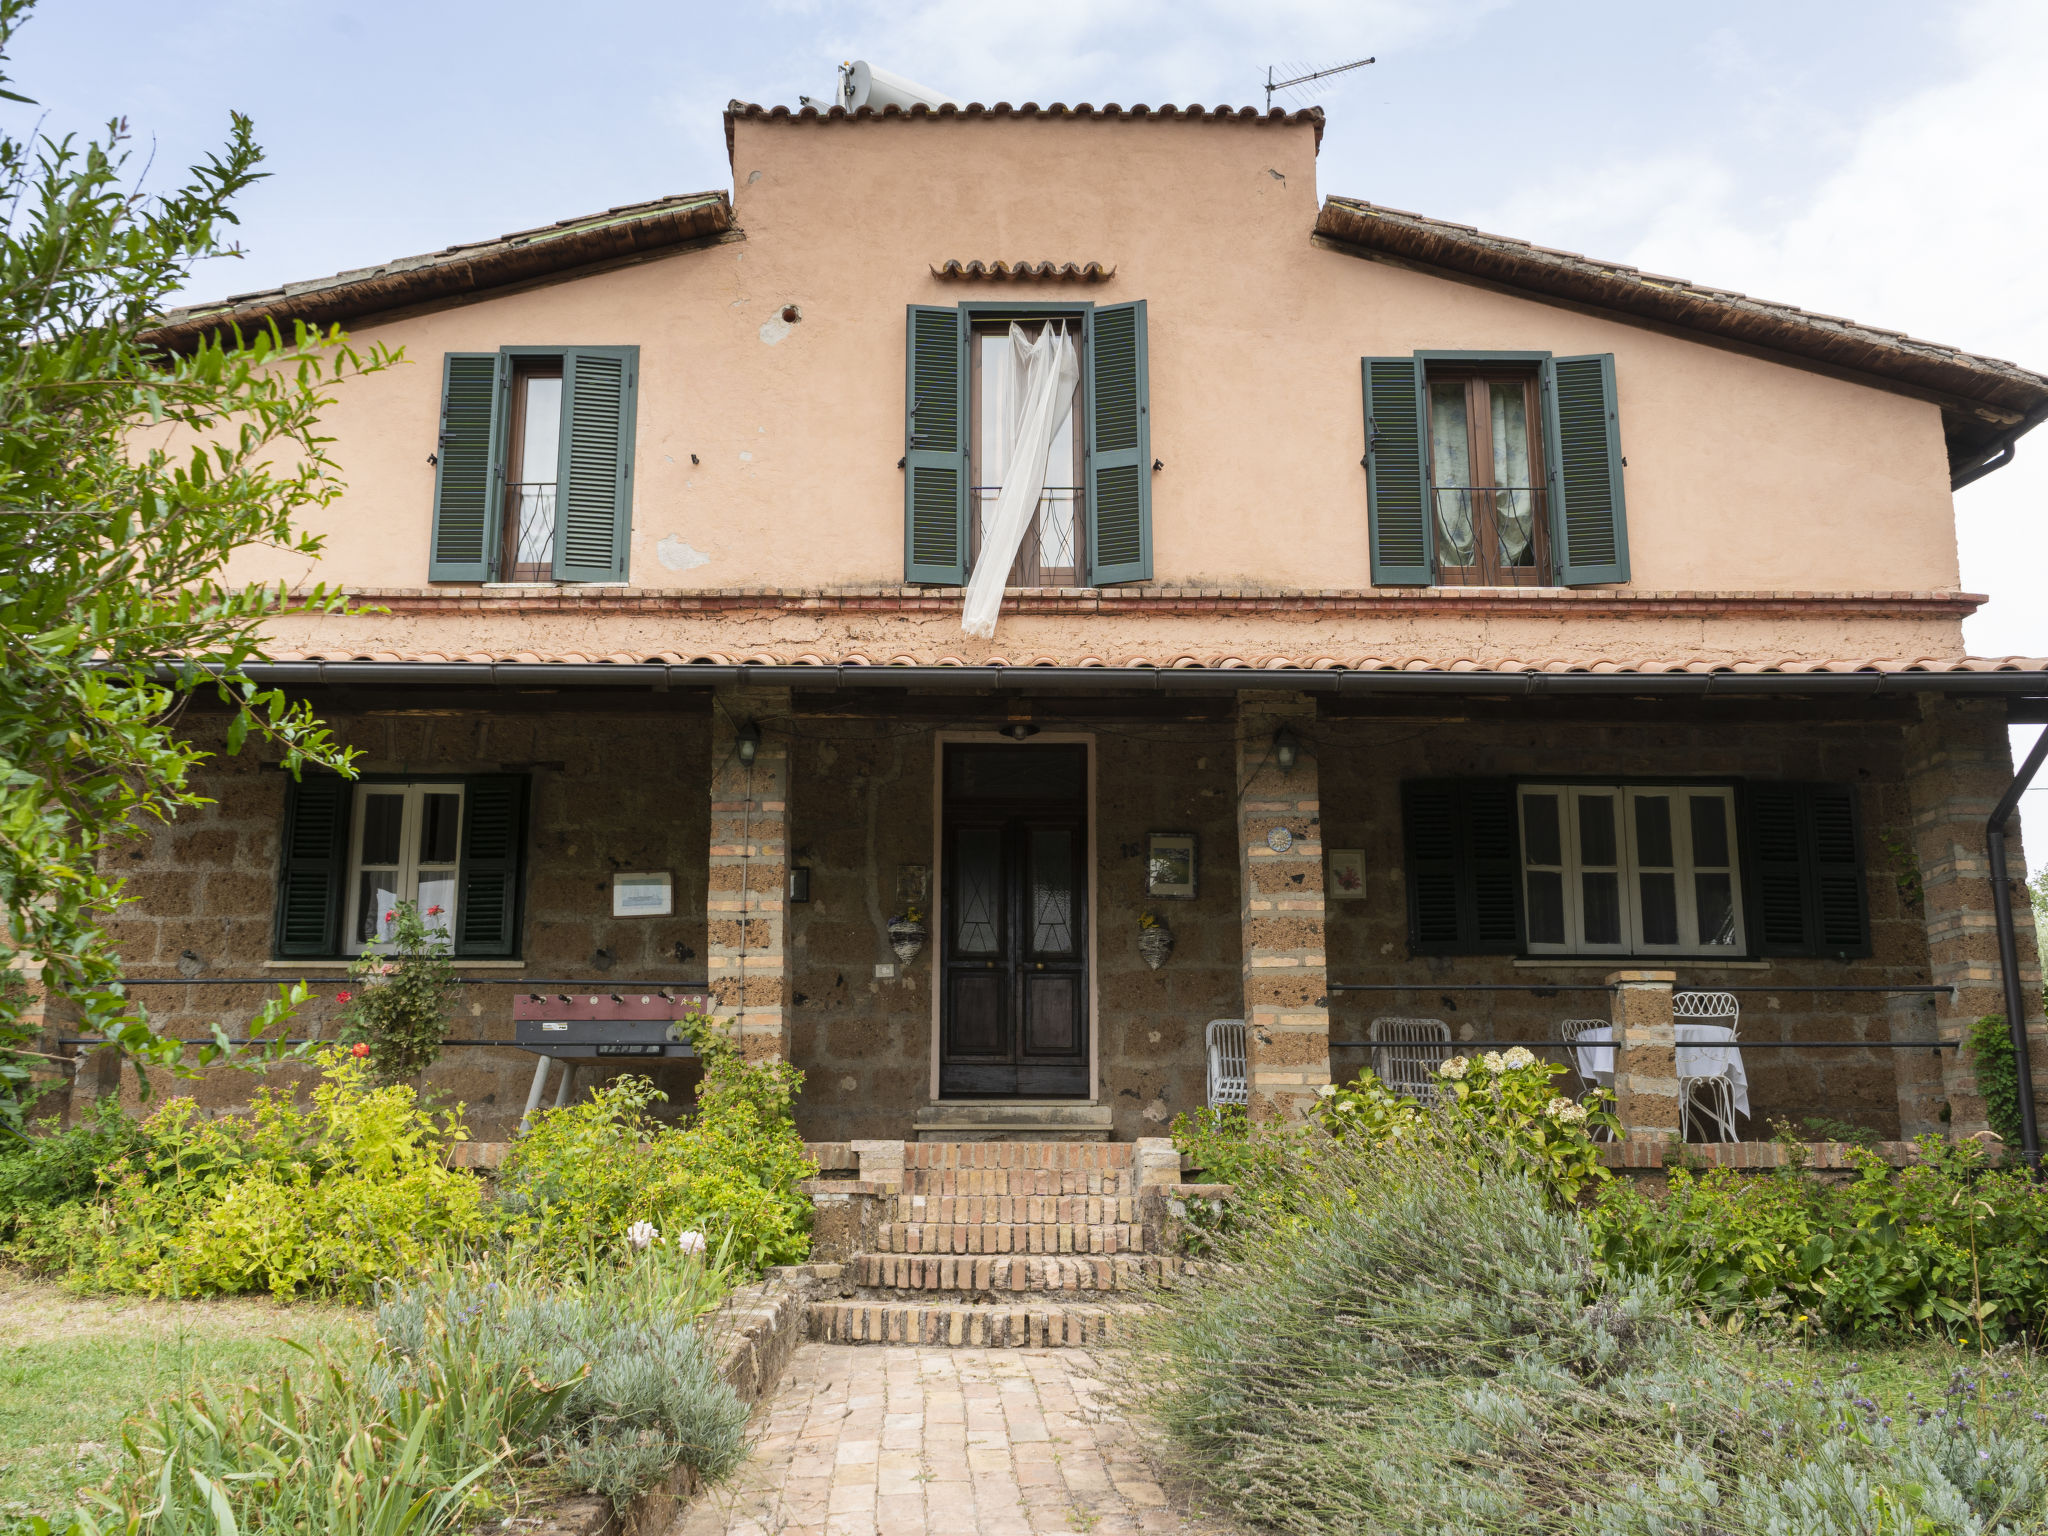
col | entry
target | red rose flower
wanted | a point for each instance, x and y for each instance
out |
(433, 911)
(342, 997)
(359, 1049)
(391, 917)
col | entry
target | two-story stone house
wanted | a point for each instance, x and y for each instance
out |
(1405, 608)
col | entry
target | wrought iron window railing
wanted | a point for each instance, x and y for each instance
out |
(1496, 530)
(529, 530)
(1050, 553)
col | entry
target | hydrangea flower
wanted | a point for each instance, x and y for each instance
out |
(1493, 1063)
(642, 1234)
(1327, 1091)
(689, 1242)
(1519, 1056)
(1454, 1069)
(1572, 1114)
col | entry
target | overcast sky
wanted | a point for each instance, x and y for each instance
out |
(1872, 158)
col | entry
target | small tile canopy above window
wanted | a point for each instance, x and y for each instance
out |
(1025, 271)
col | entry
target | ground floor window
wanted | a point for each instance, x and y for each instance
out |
(1658, 870)
(352, 851)
(1622, 869)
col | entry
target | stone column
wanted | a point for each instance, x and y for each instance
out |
(1958, 764)
(747, 897)
(1645, 1056)
(1280, 892)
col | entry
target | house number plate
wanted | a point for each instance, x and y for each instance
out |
(1280, 839)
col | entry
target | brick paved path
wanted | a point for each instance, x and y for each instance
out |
(865, 1441)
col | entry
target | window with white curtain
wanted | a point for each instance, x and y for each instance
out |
(405, 845)
(1627, 869)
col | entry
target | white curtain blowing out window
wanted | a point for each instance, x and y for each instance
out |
(1039, 397)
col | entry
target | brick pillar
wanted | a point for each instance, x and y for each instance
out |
(747, 896)
(1280, 893)
(1645, 1057)
(1958, 764)
(1916, 1074)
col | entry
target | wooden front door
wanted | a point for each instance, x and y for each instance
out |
(1013, 923)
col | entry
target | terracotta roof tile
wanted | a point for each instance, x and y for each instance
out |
(1013, 271)
(1194, 112)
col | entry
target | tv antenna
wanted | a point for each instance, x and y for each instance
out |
(1303, 81)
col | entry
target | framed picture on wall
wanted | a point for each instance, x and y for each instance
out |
(643, 895)
(1347, 874)
(1170, 866)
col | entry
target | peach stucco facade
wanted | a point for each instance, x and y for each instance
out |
(767, 450)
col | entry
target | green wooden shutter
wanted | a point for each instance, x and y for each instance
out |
(1429, 830)
(1805, 841)
(1397, 474)
(487, 882)
(466, 466)
(1582, 429)
(1841, 913)
(1119, 446)
(1493, 866)
(935, 497)
(312, 866)
(1463, 867)
(594, 494)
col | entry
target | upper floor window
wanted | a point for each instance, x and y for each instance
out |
(1494, 470)
(1486, 477)
(353, 850)
(1094, 520)
(534, 468)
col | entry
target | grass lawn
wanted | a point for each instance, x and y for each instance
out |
(71, 1368)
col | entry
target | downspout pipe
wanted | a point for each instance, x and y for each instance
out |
(2009, 952)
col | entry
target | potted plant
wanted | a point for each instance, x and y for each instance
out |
(401, 996)
(1155, 939)
(907, 934)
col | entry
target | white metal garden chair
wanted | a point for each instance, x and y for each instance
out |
(1226, 1062)
(1568, 1032)
(1708, 1099)
(1407, 1052)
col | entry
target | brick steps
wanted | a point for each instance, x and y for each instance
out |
(1020, 1183)
(1008, 1237)
(967, 1324)
(902, 1277)
(1013, 1210)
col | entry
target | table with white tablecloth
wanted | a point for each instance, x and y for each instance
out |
(1704, 1050)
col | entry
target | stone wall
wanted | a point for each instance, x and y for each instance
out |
(1364, 762)
(610, 792)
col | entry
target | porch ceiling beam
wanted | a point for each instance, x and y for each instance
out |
(2031, 686)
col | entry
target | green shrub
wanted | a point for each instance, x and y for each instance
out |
(55, 1168)
(1948, 1243)
(1497, 1108)
(1427, 1346)
(642, 1394)
(586, 1173)
(401, 997)
(1998, 1075)
(328, 1197)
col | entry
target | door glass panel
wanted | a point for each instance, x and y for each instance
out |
(376, 896)
(440, 815)
(383, 817)
(1715, 897)
(1450, 463)
(978, 855)
(1052, 892)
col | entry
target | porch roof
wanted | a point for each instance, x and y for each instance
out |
(2000, 675)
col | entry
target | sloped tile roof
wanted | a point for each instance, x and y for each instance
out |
(753, 111)
(632, 229)
(1984, 399)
